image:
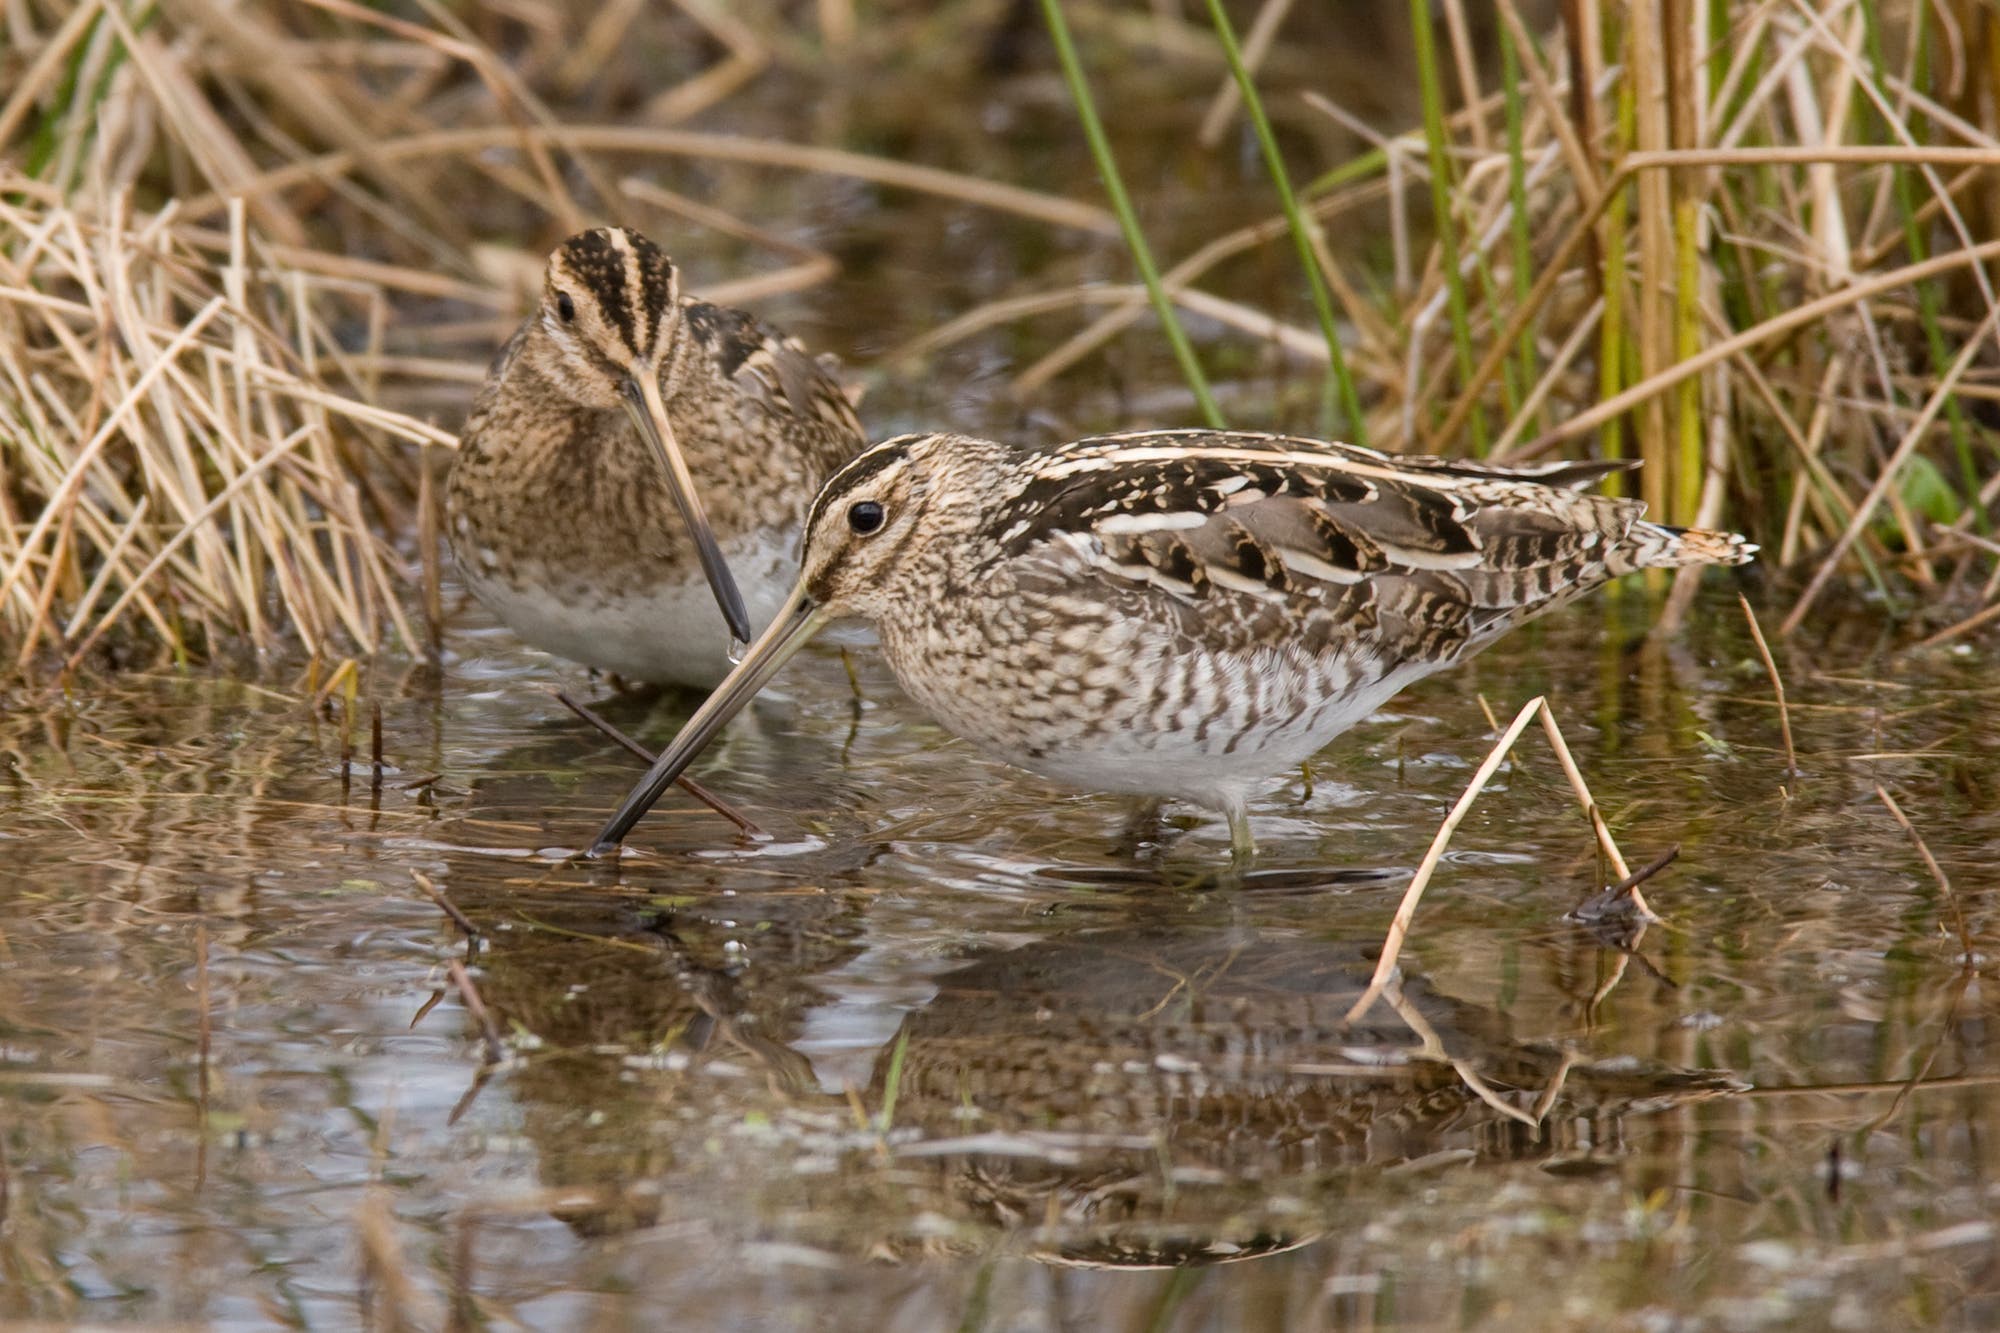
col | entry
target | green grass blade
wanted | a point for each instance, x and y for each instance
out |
(1128, 219)
(1517, 199)
(1354, 169)
(1442, 218)
(893, 1082)
(1350, 401)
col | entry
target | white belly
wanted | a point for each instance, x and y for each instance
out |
(1172, 759)
(670, 633)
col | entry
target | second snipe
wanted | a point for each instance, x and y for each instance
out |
(637, 458)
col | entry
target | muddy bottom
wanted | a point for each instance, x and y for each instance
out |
(951, 1048)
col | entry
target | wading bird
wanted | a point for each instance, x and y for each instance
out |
(1180, 614)
(635, 453)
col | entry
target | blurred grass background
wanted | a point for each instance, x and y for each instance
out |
(253, 259)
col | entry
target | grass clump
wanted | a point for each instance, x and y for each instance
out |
(1749, 244)
(191, 455)
(185, 446)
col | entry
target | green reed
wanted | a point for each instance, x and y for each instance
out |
(1295, 220)
(1128, 217)
(1437, 145)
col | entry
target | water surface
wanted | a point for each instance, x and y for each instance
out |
(1122, 1098)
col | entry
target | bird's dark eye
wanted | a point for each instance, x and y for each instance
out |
(866, 517)
(565, 308)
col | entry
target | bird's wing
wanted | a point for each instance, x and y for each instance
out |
(773, 369)
(1249, 534)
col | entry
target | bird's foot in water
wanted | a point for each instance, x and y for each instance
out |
(637, 691)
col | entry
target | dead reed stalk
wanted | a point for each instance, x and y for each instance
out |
(1406, 910)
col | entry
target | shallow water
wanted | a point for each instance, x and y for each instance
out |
(1125, 1098)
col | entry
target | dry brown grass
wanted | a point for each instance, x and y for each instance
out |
(188, 427)
(204, 457)
(211, 218)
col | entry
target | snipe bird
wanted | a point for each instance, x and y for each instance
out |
(633, 453)
(1181, 614)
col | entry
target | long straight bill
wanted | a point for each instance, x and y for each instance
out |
(649, 414)
(796, 623)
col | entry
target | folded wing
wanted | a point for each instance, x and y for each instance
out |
(1250, 539)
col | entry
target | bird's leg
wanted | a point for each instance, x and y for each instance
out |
(639, 691)
(1143, 828)
(854, 684)
(853, 678)
(1242, 846)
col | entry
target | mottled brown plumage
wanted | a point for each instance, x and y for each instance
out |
(1182, 613)
(566, 522)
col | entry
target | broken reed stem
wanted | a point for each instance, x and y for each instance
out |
(1777, 685)
(687, 784)
(496, 1050)
(1647, 871)
(1937, 871)
(445, 905)
(1406, 911)
(1602, 831)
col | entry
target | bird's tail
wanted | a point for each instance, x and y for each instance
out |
(1657, 546)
